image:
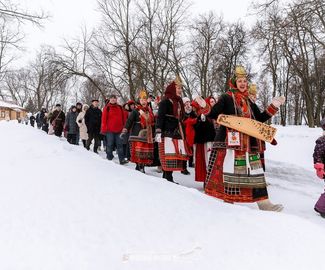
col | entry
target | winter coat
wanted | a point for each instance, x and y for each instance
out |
(204, 131)
(57, 119)
(113, 119)
(133, 123)
(167, 123)
(319, 150)
(225, 105)
(93, 119)
(82, 125)
(189, 122)
(32, 119)
(70, 122)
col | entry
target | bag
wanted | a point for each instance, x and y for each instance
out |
(51, 130)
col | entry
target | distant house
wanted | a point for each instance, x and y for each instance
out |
(10, 111)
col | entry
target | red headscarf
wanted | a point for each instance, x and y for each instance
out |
(241, 98)
(177, 101)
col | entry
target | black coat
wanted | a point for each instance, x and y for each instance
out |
(167, 123)
(225, 105)
(204, 131)
(133, 124)
(93, 120)
(57, 119)
(71, 123)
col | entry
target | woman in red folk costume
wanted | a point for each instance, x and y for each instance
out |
(140, 124)
(204, 136)
(235, 172)
(169, 131)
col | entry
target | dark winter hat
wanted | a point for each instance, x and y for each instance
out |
(79, 103)
(112, 96)
(58, 105)
(322, 123)
(94, 100)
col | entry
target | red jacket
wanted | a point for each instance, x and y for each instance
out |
(113, 118)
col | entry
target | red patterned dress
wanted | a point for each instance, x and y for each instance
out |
(235, 172)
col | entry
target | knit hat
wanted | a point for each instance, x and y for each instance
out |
(186, 99)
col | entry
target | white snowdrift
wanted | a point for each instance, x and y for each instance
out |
(63, 208)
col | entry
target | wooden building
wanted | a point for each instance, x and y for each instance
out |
(10, 111)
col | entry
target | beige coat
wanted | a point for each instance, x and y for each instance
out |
(82, 125)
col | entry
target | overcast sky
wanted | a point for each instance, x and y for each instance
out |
(67, 17)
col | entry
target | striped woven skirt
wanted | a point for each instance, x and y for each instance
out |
(142, 152)
(172, 154)
(235, 176)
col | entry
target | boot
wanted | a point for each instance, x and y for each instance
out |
(142, 169)
(169, 177)
(266, 205)
(185, 172)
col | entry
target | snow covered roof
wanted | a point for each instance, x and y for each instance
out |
(12, 106)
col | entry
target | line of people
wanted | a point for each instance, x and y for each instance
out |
(173, 131)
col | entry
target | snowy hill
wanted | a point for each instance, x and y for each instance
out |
(65, 208)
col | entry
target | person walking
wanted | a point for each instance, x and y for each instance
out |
(93, 117)
(113, 121)
(82, 125)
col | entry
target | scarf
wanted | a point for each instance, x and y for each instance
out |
(241, 102)
(178, 106)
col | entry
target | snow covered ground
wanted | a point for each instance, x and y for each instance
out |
(63, 208)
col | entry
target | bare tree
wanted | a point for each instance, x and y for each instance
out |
(233, 51)
(207, 30)
(10, 10)
(116, 40)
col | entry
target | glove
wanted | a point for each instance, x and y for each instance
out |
(203, 118)
(319, 170)
(278, 101)
(200, 101)
(122, 135)
(80, 121)
(158, 138)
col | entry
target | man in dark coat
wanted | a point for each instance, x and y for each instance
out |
(57, 120)
(93, 119)
(32, 120)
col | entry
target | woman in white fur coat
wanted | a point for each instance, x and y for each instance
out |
(82, 125)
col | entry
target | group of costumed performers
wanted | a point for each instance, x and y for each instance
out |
(235, 172)
(229, 162)
(140, 125)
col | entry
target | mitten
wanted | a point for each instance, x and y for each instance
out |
(319, 169)
(278, 101)
(201, 102)
(122, 135)
(158, 138)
